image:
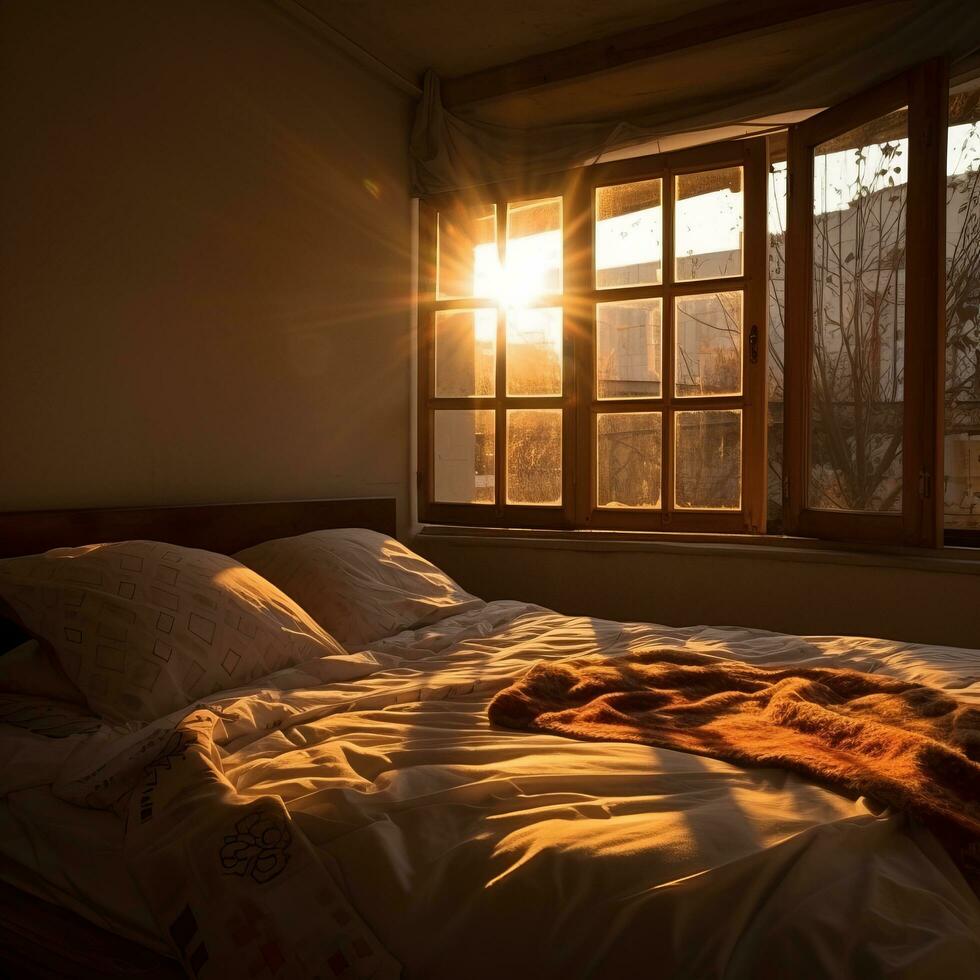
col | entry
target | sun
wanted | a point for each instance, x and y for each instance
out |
(531, 270)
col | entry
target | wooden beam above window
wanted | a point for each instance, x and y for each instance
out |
(703, 26)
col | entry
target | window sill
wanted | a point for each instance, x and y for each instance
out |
(768, 547)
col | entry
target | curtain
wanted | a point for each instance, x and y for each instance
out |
(828, 61)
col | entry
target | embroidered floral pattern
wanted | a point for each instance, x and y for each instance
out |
(259, 847)
(174, 746)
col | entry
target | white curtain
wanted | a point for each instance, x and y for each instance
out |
(452, 151)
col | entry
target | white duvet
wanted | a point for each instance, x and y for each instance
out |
(474, 852)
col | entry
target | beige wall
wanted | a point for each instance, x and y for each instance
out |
(205, 259)
(808, 594)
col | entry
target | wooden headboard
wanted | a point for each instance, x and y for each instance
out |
(225, 528)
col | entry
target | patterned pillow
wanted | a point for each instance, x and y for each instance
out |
(144, 628)
(357, 584)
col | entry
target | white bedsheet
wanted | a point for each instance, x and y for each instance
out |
(72, 856)
(472, 851)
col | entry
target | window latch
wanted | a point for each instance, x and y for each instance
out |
(754, 345)
(925, 484)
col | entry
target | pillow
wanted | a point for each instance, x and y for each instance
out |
(33, 669)
(144, 628)
(357, 584)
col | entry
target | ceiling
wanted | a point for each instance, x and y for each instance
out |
(457, 37)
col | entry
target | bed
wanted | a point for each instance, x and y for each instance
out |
(467, 850)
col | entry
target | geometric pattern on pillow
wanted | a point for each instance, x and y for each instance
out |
(144, 628)
(359, 585)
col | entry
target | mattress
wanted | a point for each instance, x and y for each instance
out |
(473, 851)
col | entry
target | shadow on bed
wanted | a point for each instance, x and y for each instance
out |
(46, 942)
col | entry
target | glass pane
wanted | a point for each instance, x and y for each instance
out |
(708, 224)
(963, 480)
(708, 344)
(466, 347)
(467, 261)
(534, 456)
(629, 349)
(463, 443)
(708, 460)
(534, 351)
(628, 459)
(962, 484)
(858, 325)
(534, 254)
(776, 221)
(629, 232)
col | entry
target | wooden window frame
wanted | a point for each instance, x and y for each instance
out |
(500, 513)
(952, 537)
(579, 297)
(924, 90)
(960, 537)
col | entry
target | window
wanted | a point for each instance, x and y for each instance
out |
(863, 321)
(498, 396)
(590, 348)
(734, 338)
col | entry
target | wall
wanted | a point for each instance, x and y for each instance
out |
(205, 259)
(809, 593)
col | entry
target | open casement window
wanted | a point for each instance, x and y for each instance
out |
(961, 435)
(496, 382)
(671, 376)
(592, 347)
(864, 316)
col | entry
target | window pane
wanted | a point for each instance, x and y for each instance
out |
(466, 261)
(463, 443)
(708, 224)
(629, 349)
(534, 456)
(466, 346)
(708, 344)
(963, 480)
(962, 485)
(534, 253)
(628, 459)
(858, 326)
(629, 234)
(534, 351)
(708, 460)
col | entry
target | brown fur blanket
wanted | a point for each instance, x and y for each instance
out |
(905, 745)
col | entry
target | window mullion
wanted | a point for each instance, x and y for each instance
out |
(579, 340)
(500, 377)
(755, 298)
(925, 352)
(667, 355)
